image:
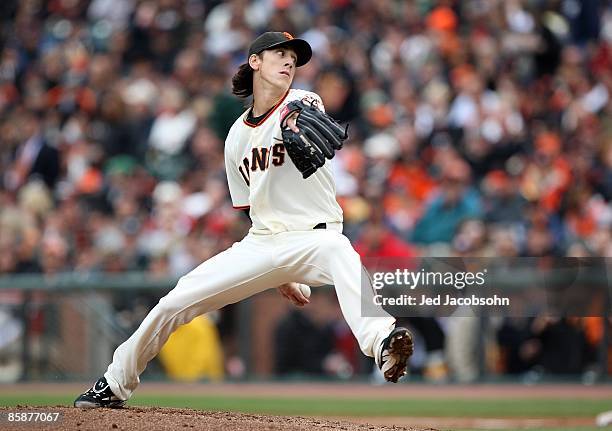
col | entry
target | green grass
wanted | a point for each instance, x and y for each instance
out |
(320, 406)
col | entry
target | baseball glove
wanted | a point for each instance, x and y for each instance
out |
(318, 139)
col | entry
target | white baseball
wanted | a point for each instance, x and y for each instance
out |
(304, 289)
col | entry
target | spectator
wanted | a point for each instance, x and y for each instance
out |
(35, 157)
(455, 202)
(503, 203)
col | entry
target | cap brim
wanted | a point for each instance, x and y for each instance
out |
(301, 47)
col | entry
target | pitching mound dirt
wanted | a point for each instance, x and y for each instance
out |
(154, 418)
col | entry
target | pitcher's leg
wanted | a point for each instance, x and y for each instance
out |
(351, 283)
(328, 257)
(228, 277)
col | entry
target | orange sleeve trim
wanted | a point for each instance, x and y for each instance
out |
(269, 113)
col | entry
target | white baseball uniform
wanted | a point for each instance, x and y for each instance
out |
(281, 247)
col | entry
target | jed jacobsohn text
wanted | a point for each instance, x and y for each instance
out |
(402, 279)
(441, 300)
(413, 279)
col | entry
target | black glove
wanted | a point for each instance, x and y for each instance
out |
(319, 136)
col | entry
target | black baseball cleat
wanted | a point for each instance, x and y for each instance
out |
(100, 395)
(394, 354)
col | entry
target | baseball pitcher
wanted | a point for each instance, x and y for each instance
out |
(276, 157)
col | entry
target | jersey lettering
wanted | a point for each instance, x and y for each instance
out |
(246, 174)
(260, 156)
(260, 159)
(278, 154)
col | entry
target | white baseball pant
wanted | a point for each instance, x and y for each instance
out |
(258, 262)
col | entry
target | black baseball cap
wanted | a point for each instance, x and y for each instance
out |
(273, 39)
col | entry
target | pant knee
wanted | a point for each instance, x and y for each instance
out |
(173, 302)
(165, 308)
(174, 313)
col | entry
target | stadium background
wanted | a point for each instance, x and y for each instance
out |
(478, 128)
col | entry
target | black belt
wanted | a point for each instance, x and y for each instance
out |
(321, 226)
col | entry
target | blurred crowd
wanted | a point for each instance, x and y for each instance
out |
(478, 127)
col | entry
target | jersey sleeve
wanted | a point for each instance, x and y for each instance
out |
(238, 186)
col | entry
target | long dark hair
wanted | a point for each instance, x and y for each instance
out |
(242, 81)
